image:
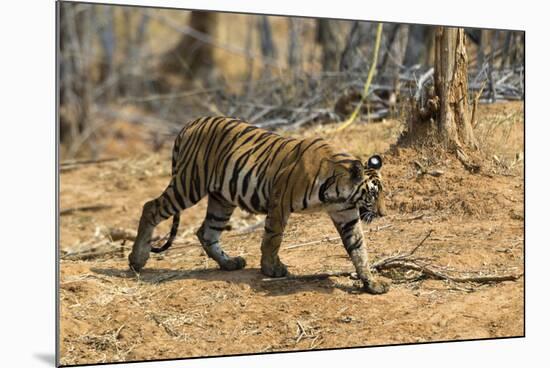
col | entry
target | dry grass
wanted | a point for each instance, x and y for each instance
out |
(500, 134)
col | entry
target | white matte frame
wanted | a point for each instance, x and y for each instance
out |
(28, 185)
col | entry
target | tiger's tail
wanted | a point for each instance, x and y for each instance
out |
(173, 232)
(176, 217)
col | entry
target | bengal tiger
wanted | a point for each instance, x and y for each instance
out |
(239, 165)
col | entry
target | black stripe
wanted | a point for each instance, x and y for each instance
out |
(347, 238)
(163, 214)
(171, 203)
(255, 202)
(296, 162)
(346, 161)
(212, 133)
(323, 188)
(225, 151)
(217, 228)
(190, 146)
(355, 245)
(243, 205)
(346, 209)
(178, 196)
(314, 180)
(304, 198)
(246, 180)
(348, 226)
(355, 191)
(230, 125)
(211, 216)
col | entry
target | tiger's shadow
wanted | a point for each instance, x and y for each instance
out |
(249, 276)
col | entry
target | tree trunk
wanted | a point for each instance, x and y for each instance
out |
(352, 58)
(294, 33)
(391, 35)
(190, 56)
(451, 87)
(445, 117)
(267, 46)
(328, 39)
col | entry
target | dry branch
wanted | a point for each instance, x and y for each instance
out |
(408, 261)
(335, 238)
(421, 170)
(104, 243)
(98, 207)
(87, 162)
(315, 276)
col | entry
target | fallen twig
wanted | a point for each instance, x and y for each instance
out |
(315, 276)
(419, 217)
(421, 170)
(431, 272)
(87, 162)
(97, 207)
(335, 238)
(250, 228)
(407, 261)
(301, 331)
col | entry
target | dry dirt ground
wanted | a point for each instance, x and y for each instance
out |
(182, 305)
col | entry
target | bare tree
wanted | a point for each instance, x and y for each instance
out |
(352, 58)
(294, 52)
(75, 70)
(391, 36)
(451, 86)
(446, 114)
(506, 50)
(267, 46)
(190, 55)
(331, 46)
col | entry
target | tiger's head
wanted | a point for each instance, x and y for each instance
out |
(370, 200)
(357, 183)
(368, 193)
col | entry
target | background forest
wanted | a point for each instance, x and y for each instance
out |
(122, 67)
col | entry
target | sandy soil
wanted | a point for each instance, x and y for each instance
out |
(183, 306)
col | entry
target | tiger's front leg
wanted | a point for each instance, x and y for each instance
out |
(275, 223)
(348, 224)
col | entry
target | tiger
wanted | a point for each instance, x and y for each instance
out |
(240, 165)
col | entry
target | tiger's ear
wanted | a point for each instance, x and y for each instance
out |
(374, 162)
(356, 171)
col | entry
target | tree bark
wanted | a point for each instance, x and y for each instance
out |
(445, 118)
(451, 87)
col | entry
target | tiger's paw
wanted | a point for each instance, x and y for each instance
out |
(278, 269)
(376, 286)
(233, 263)
(136, 263)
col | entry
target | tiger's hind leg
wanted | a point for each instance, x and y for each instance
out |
(218, 214)
(154, 211)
